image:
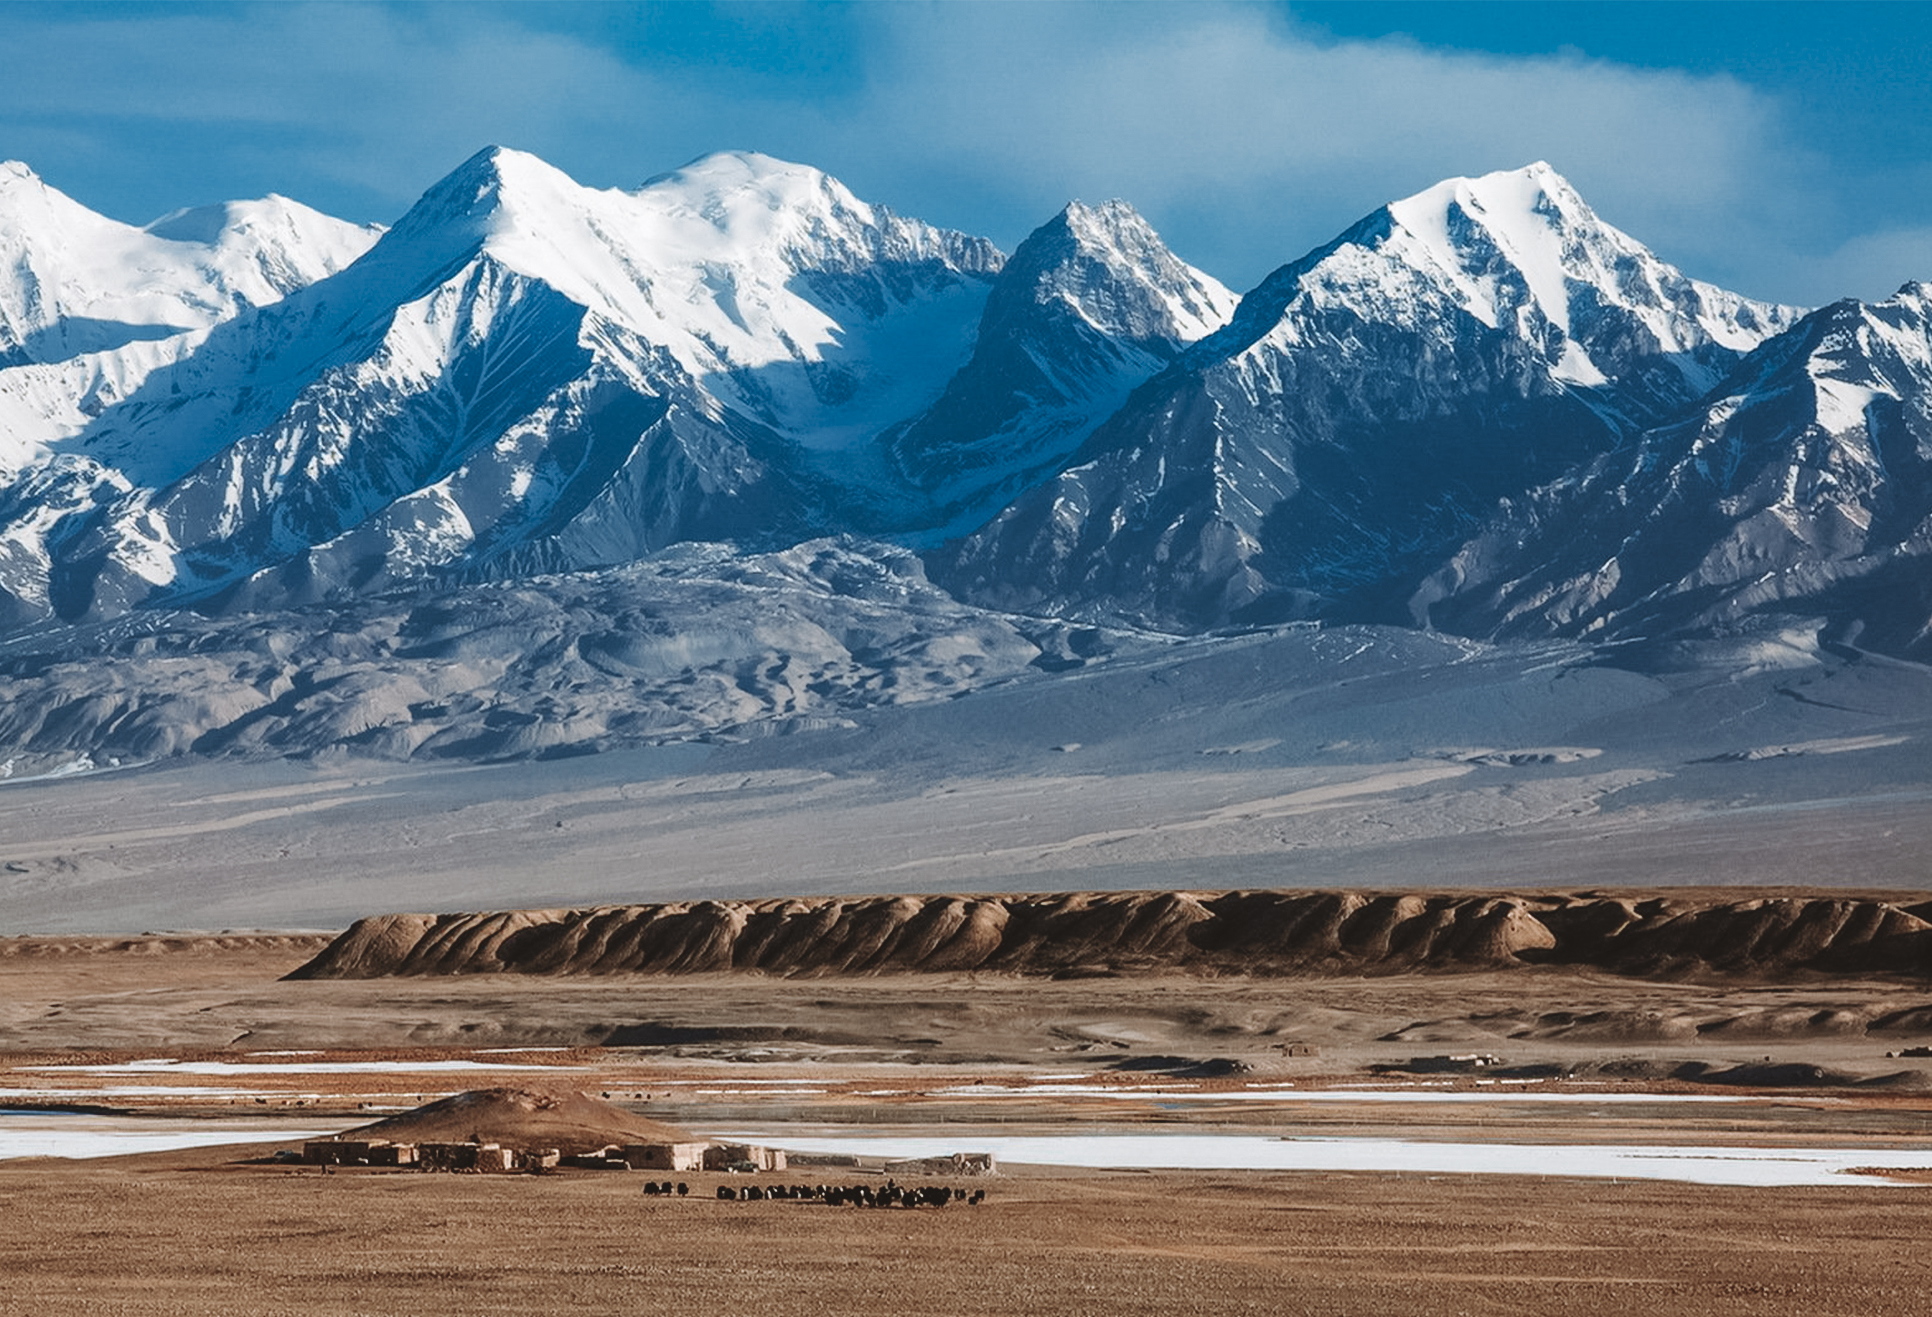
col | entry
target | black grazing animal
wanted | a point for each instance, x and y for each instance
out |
(683, 1189)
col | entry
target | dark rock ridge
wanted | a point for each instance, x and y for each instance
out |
(1210, 933)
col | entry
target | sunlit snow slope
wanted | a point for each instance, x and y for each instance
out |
(1365, 409)
(1482, 408)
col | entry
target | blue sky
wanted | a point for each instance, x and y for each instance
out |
(1782, 149)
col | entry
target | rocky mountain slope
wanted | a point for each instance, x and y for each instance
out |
(700, 641)
(76, 284)
(525, 375)
(1088, 307)
(521, 372)
(1801, 485)
(1266, 933)
(1364, 411)
(252, 430)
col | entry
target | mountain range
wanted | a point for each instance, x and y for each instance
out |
(1481, 410)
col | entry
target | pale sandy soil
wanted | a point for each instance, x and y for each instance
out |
(224, 996)
(1205, 774)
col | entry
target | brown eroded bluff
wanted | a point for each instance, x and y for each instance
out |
(1205, 933)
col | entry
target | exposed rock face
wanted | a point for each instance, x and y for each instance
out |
(522, 376)
(1802, 485)
(1363, 411)
(1087, 308)
(1267, 933)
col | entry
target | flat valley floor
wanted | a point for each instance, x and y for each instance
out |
(1353, 757)
(1305, 758)
(172, 1236)
(216, 1231)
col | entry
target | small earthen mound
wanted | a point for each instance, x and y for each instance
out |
(568, 1121)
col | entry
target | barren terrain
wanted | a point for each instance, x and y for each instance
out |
(205, 1028)
(1310, 761)
(246, 1242)
(1303, 758)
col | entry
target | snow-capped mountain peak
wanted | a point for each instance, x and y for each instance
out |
(1801, 487)
(748, 270)
(1090, 306)
(90, 307)
(1364, 408)
(73, 281)
(1525, 214)
(248, 404)
(264, 249)
(1522, 249)
(1166, 298)
(734, 203)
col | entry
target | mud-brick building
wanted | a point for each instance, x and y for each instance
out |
(358, 1152)
(487, 1158)
(664, 1156)
(743, 1157)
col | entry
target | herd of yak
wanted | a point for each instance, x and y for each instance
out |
(888, 1194)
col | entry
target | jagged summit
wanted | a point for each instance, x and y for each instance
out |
(482, 185)
(1362, 411)
(1107, 264)
(64, 267)
(522, 374)
(249, 405)
(1522, 243)
(1087, 308)
(91, 307)
(1802, 486)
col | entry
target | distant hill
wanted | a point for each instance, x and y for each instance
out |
(1103, 933)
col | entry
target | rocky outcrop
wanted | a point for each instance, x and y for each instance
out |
(1208, 933)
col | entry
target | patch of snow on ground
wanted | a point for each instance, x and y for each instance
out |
(1761, 1167)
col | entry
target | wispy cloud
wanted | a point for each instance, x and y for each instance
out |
(1245, 138)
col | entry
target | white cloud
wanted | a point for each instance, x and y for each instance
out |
(1870, 266)
(1219, 116)
(1246, 139)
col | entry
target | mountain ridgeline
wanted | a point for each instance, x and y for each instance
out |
(1104, 933)
(1480, 409)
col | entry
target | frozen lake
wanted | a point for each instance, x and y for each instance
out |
(30, 1133)
(1229, 1152)
(162, 1065)
(1501, 1092)
(62, 1134)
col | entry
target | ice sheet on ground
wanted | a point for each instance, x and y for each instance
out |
(44, 1134)
(171, 1067)
(1316, 1094)
(1214, 1152)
